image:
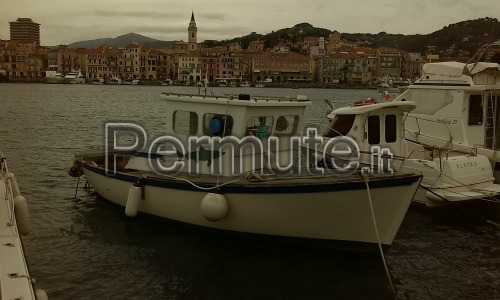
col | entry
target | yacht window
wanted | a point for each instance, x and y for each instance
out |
(185, 122)
(340, 126)
(286, 125)
(217, 124)
(475, 110)
(391, 129)
(260, 126)
(373, 130)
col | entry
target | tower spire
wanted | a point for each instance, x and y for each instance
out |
(192, 34)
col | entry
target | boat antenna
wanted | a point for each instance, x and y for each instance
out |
(478, 56)
(480, 53)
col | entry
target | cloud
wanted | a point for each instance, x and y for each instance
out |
(212, 16)
(137, 14)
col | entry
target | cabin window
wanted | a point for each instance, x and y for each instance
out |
(340, 126)
(475, 110)
(373, 130)
(185, 122)
(391, 129)
(217, 124)
(260, 126)
(286, 125)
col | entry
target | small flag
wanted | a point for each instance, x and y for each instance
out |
(387, 95)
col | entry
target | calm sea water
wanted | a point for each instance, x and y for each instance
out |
(85, 248)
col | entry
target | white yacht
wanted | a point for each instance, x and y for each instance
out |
(74, 77)
(458, 108)
(447, 177)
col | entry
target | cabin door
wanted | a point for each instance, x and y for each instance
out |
(384, 130)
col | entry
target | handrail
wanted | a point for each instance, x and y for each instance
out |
(235, 97)
(432, 121)
(9, 193)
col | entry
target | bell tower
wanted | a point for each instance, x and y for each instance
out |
(193, 34)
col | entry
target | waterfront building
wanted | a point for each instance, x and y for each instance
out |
(412, 66)
(152, 62)
(14, 55)
(69, 59)
(104, 62)
(350, 68)
(189, 70)
(211, 63)
(280, 67)
(390, 62)
(24, 29)
(131, 61)
(162, 71)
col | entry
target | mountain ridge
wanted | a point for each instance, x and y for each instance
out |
(458, 39)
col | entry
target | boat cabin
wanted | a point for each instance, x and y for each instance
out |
(246, 119)
(457, 106)
(372, 125)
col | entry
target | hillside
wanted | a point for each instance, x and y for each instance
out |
(459, 39)
(122, 41)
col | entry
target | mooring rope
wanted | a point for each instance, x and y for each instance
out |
(366, 179)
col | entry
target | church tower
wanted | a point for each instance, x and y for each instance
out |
(193, 34)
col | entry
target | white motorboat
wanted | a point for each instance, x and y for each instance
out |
(260, 84)
(457, 109)
(97, 81)
(167, 82)
(222, 82)
(245, 84)
(388, 85)
(52, 76)
(15, 280)
(446, 177)
(257, 199)
(127, 81)
(114, 81)
(74, 77)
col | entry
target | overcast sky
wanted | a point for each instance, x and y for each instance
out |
(65, 21)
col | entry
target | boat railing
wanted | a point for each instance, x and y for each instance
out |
(418, 132)
(6, 176)
(299, 98)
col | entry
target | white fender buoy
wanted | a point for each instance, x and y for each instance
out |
(41, 294)
(134, 196)
(22, 215)
(15, 186)
(214, 207)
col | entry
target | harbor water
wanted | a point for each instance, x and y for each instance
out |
(86, 248)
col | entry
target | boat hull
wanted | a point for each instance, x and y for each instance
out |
(334, 212)
(54, 80)
(75, 80)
